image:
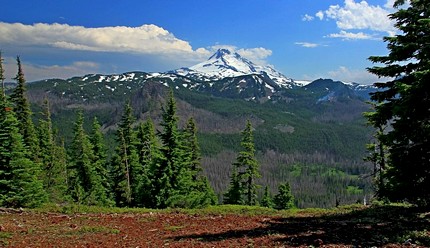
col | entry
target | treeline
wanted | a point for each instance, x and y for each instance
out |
(146, 169)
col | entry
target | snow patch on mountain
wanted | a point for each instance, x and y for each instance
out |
(227, 64)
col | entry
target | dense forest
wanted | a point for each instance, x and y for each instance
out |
(147, 168)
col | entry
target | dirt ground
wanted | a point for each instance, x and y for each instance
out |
(175, 229)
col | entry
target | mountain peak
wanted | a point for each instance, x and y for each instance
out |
(221, 53)
(225, 63)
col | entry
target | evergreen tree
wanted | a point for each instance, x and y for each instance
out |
(267, 200)
(171, 140)
(234, 194)
(284, 199)
(126, 170)
(21, 108)
(53, 165)
(192, 149)
(247, 166)
(86, 183)
(403, 104)
(147, 144)
(149, 153)
(62, 160)
(19, 182)
(198, 185)
(100, 159)
(170, 171)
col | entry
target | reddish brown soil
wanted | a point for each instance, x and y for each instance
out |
(29, 229)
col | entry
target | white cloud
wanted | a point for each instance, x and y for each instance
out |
(307, 44)
(320, 15)
(307, 18)
(361, 76)
(34, 72)
(146, 39)
(351, 36)
(348, 75)
(148, 47)
(389, 4)
(257, 55)
(361, 16)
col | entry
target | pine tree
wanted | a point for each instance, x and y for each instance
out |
(247, 167)
(149, 153)
(126, 170)
(100, 159)
(284, 199)
(19, 176)
(170, 170)
(267, 200)
(21, 108)
(234, 194)
(53, 165)
(86, 183)
(403, 104)
(192, 149)
(198, 184)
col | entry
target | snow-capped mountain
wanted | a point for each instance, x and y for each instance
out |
(227, 64)
(224, 74)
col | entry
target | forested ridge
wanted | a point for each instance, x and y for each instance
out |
(147, 146)
(91, 160)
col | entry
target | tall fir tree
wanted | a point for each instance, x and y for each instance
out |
(192, 149)
(148, 150)
(170, 170)
(247, 167)
(53, 165)
(126, 171)
(86, 186)
(100, 162)
(403, 105)
(198, 185)
(20, 185)
(21, 108)
(147, 143)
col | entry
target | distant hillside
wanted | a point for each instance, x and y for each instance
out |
(313, 136)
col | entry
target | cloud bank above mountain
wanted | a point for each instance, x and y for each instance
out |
(147, 42)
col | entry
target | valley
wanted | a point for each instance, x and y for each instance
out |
(312, 135)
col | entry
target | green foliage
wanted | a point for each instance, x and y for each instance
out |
(148, 150)
(245, 172)
(402, 104)
(284, 199)
(126, 170)
(197, 186)
(100, 163)
(52, 158)
(267, 200)
(19, 176)
(85, 184)
(23, 113)
(168, 173)
(234, 192)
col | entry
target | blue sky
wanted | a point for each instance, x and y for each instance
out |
(304, 39)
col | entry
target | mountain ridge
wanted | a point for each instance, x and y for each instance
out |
(224, 74)
(313, 136)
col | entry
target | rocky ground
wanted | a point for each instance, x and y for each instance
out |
(364, 228)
